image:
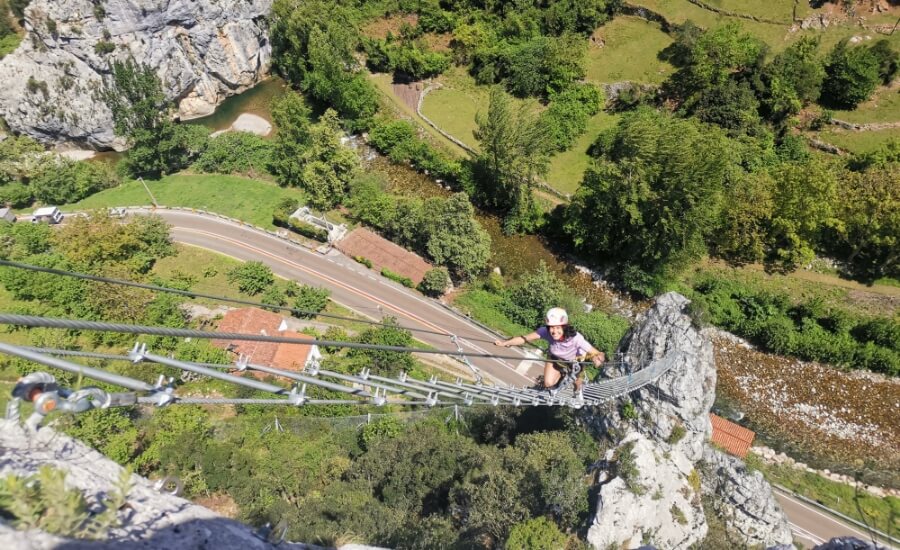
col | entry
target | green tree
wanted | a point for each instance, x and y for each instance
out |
(455, 238)
(743, 233)
(329, 166)
(534, 293)
(713, 57)
(141, 113)
(311, 298)
(292, 118)
(653, 198)
(251, 277)
(369, 202)
(382, 361)
(888, 60)
(869, 209)
(514, 154)
(805, 201)
(794, 78)
(852, 74)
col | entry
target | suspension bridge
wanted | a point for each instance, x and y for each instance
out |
(288, 387)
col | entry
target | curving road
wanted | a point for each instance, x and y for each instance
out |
(352, 285)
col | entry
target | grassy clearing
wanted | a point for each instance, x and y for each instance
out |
(454, 105)
(246, 199)
(883, 107)
(567, 168)
(881, 513)
(877, 299)
(630, 49)
(383, 82)
(858, 142)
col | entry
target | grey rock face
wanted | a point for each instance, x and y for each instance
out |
(150, 520)
(202, 50)
(744, 499)
(667, 436)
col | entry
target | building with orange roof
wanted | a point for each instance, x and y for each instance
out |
(729, 436)
(251, 320)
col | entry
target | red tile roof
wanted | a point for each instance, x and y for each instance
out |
(383, 253)
(731, 437)
(258, 321)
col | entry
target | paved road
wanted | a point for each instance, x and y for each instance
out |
(353, 286)
(812, 526)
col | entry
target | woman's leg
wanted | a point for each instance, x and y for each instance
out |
(551, 375)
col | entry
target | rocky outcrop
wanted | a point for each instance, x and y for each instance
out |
(202, 50)
(651, 492)
(149, 519)
(744, 500)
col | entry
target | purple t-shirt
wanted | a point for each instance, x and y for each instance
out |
(566, 349)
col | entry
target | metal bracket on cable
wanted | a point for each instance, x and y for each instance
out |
(380, 397)
(465, 359)
(364, 374)
(138, 352)
(297, 398)
(242, 362)
(164, 391)
(312, 368)
(495, 400)
(432, 399)
(402, 376)
(468, 399)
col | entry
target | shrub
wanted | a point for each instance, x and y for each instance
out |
(678, 433)
(103, 47)
(627, 469)
(435, 282)
(535, 534)
(405, 281)
(42, 501)
(66, 181)
(602, 330)
(365, 261)
(15, 194)
(236, 153)
(628, 411)
(398, 140)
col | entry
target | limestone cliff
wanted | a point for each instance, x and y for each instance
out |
(661, 462)
(202, 50)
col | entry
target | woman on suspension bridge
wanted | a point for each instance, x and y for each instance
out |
(566, 344)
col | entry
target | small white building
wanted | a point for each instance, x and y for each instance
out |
(7, 214)
(48, 214)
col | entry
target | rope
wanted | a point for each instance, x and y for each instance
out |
(78, 324)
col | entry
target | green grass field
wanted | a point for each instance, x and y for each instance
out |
(883, 107)
(242, 198)
(630, 50)
(858, 142)
(567, 168)
(454, 105)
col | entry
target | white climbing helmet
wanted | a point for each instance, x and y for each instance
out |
(556, 316)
